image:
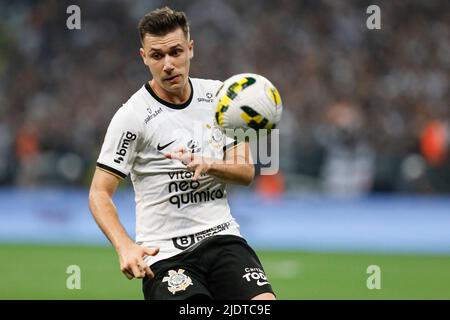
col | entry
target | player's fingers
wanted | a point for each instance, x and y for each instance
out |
(198, 172)
(186, 158)
(138, 271)
(148, 272)
(127, 274)
(181, 149)
(178, 155)
(191, 166)
(151, 251)
(173, 155)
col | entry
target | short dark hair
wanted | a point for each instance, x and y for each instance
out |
(161, 21)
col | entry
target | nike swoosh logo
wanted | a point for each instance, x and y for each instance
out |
(261, 283)
(164, 146)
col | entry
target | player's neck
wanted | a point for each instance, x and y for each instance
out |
(179, 97)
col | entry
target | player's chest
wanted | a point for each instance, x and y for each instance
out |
(193, 129)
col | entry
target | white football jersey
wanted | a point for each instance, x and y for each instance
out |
(172, 211)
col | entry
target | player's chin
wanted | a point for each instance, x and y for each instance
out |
(173, 80)
(176, 89)
(178, 82)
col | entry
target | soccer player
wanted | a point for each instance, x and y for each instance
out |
(188, 245)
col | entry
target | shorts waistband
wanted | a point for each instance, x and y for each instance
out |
(173, 246)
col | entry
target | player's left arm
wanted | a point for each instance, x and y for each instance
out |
(236, 167)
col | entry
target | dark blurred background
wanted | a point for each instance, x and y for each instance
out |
(364, 141)
(365, 111)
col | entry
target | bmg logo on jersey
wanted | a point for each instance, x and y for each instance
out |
(255, 274)
(123, 145)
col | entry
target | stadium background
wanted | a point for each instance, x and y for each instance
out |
(365, 170)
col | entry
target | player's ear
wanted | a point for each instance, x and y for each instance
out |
(191, 49)
(143, 55)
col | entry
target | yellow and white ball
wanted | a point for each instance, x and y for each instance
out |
(246, 101)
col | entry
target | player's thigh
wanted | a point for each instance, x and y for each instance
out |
(264, 296)
(238, 274)
(176, 284)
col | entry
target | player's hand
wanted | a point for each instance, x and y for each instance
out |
(193, 163)
(132, 262)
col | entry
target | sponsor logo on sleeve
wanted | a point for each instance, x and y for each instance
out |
(122, 147)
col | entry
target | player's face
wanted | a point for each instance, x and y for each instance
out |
(168, 58)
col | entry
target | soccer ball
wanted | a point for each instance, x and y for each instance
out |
(246, 101)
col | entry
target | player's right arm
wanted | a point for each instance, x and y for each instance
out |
(115, 161)
(104, 211)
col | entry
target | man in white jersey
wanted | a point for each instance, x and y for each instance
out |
(187, 243)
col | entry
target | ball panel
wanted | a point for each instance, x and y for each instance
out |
(248, 101)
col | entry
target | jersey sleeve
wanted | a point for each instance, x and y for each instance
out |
(120, 144)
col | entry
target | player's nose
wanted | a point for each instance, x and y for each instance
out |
(168, 66)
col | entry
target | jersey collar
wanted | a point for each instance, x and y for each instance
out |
(168, 104)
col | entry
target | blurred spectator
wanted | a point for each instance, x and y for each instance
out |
(349, 163)
(356, 100)
(270, 186)
(434, 142)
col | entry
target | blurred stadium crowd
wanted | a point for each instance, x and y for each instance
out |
(364, 110)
